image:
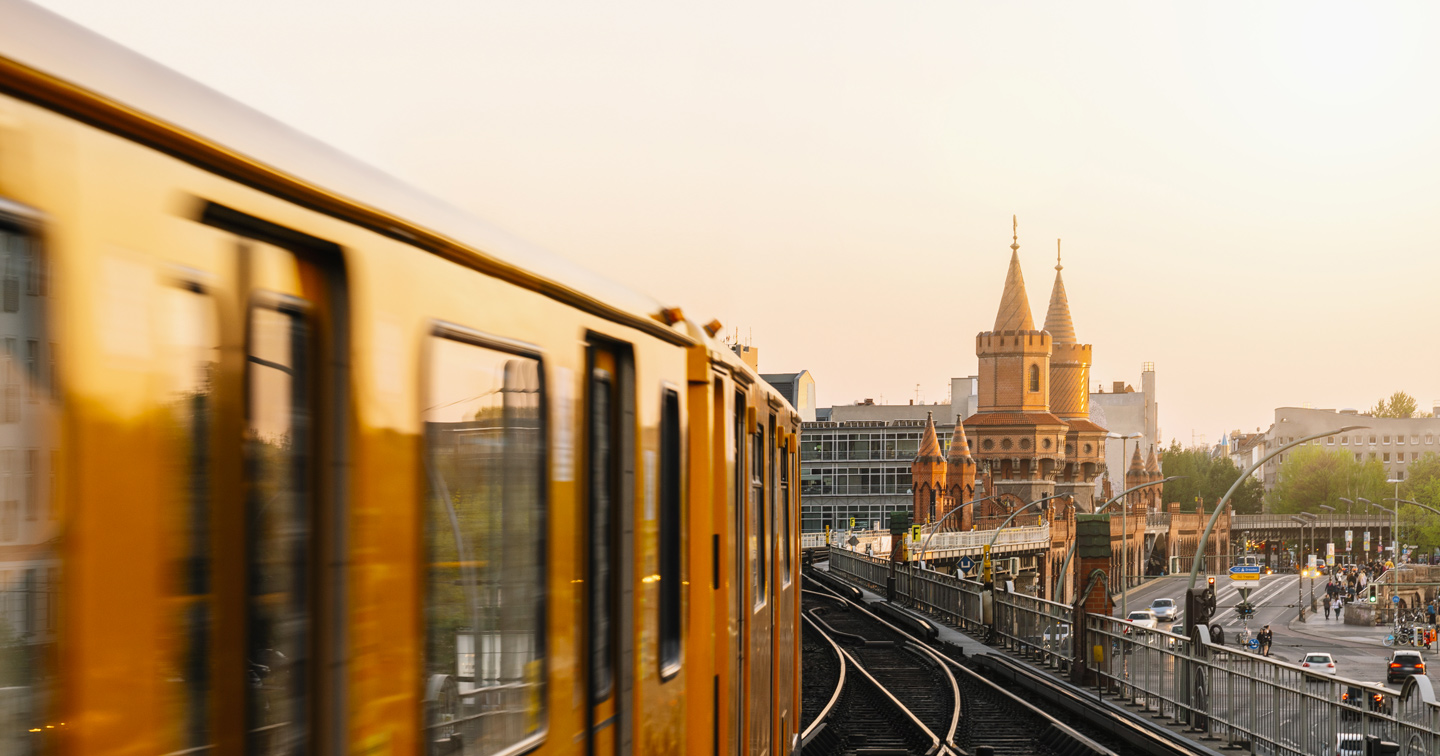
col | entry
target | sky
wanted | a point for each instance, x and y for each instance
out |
(1246, 192)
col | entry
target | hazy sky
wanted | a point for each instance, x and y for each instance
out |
(1248, 193)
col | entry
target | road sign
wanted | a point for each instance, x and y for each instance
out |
(1244, 594)
(1245, 572)
(1394, 599)
(966, 564)
(853, 541)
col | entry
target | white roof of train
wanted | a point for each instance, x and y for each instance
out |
(41, 40)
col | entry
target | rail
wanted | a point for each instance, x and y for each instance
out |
(1240, 523)
(1157, 522)
(947, 544)
(949, 598)
(1258, 704)
(812, 541)
(1035, 627)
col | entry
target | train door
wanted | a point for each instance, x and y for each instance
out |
(610, 422)
(290, 525)
(761, 607)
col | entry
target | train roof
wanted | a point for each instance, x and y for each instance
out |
(40, 40)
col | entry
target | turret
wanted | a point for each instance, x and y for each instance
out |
(928, 477)
(961, 471)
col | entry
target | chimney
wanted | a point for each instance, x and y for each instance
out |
(1118, 387)
(912, 402)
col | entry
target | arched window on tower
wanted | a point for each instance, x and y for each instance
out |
(1034, 377)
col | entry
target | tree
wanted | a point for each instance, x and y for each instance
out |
(1311, 476)
(1422, 484)
(1207, 477)
(1400, 404)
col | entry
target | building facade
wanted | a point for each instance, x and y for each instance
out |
(1393, 442)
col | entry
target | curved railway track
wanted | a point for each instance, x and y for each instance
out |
(988, 717)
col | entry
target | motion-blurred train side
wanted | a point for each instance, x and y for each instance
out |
(294, 460)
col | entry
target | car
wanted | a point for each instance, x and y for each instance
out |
(1357, 697)
(1318, 662)
(1142, 618)
(1164, 609)
(1055, 635)
(1404, 664)
(1349, 744)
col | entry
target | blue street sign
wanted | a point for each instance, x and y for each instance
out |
(1245, 569)
(1394, 599)
(966, 564)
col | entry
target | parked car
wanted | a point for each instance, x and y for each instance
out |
(1318, 662)
(1404, 664)
(1141, 618)
(1164, 609)
(1055, 635)
(1349, 744)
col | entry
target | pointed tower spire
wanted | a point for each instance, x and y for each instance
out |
(959, 445)
(1136, 465)
(1014, 312)
(930, 444)
(1057, 320)
(1152, 465)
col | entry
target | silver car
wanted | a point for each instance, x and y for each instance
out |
(1164, 609)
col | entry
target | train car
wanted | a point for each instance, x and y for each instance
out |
(296, 460)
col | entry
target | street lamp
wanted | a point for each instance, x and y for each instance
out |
(1299, 584)
(1124, 525)
(1220, 507)
(1065, 565)
(1013, 515)
(1312, 519)
(938, 523)
(1395, 537)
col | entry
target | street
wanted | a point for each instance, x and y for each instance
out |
(1358, 651)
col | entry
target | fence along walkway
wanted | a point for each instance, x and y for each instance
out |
(1257, 704)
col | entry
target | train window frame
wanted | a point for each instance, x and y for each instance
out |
(759, 536)
(307, 682)
(452, 332)
(198, 570)
(672, 533)
(786, 484)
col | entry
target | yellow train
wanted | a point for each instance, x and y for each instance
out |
(295, 460)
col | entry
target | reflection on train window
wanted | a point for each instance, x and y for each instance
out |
(759, 531)
(783, 513)
(670, 533)
(278, 527)
(485, 538)
(602, 530)
(191, 354)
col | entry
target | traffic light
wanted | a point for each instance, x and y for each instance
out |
(1245, 609)
(1372, 593)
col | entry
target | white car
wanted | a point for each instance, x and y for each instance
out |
(1141, 618)
(1164, 609)
(1055, 635)
(1319, 663)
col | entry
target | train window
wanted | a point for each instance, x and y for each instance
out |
(759, 533)
(191, 352)
(602, 530)
(485, 548)
(29, 592)
(278, 411)
(784, 515)
(670, 533)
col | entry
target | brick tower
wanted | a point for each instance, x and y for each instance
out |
(961, 469)
(928, 477)
(1070, 399)
(1016, 436)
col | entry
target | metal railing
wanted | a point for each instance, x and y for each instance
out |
(951, 599)
(1239, 523)
(1156, 522)
(1035, 627)
(812, 541)
(1261, 705)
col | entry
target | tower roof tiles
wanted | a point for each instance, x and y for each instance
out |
(1151, 464)
(1014, 312)
(959, 445)
(1136, 465)
(1057, 319)
(930, 444)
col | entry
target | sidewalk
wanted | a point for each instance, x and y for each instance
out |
(1316, 626)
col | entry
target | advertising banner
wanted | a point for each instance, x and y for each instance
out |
(1349, 540)
(1367, 541)
(1330, 554)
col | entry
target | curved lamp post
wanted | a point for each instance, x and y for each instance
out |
(1220, 506)
(1329, 532)
(1065, 565)
(1007, 521)
(1300, 583)
(925, 546)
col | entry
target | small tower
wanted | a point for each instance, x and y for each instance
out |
(1152, 471)
(961, 469)
(1136, 475)
(1070, 399)
(928, 476)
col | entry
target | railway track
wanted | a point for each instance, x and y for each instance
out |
(989, 717)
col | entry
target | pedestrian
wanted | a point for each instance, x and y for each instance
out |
(1430, 612)
(1266, 638)
(1327, 606)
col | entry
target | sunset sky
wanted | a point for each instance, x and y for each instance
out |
(1248, 193)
